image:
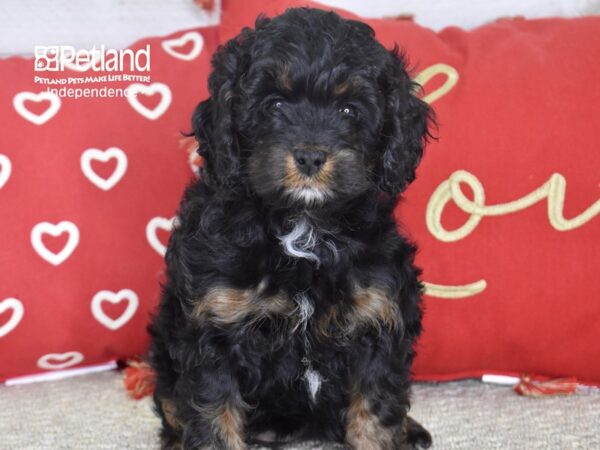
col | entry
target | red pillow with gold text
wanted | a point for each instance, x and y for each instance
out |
(88, 188)
(505, 206)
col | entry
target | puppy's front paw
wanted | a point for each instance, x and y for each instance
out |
(416, 436)
(170, 444)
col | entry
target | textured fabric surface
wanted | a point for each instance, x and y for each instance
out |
(93, 412)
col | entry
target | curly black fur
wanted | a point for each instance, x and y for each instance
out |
(292, 303)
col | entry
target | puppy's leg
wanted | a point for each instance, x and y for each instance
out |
(210, 409)
(214, 427)
(364, 430)
(368, 429)
(164, 396)
(218, 427)
(170, 434)
(197, 395)
(379, 396)
(416, 434)
(201, 410)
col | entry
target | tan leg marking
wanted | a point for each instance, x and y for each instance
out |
(371, 307)
(374, 307)
(168, 409)
(363, 429)
(229, 425)
(227, 306)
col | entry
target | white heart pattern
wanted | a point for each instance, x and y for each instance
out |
(6, 169)
(37, 119)
(17, 314)
(55, 230)
(151, 228)
(57, 361)
(137, 88)
(191, 36)
(103, 156)
(114, 297)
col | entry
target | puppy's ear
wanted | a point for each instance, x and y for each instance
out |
(213, 122)
(405, 129)
(202, 126)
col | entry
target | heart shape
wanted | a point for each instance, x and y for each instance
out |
(152, 227)
(191, 36)
(137, 88)
(57, 361)
(37, 119)
(103, 156)
(114, 297)
(54, 230)
(6, 169)
(15, 318)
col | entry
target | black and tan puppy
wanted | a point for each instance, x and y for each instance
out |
(292, 303)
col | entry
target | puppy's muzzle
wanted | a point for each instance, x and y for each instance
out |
(309, 162)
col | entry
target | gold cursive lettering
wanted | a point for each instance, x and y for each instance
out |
(427, 74)
(553, 190)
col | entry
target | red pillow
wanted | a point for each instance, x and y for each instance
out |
(518, 105)
(87, 190)
(519, 94)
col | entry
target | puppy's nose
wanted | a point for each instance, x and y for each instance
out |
(309, 162)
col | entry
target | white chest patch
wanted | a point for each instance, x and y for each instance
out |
(301, 241)
(304, 238)
(304, 311)
(313, 381)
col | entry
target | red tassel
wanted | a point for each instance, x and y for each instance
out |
(139, 379)
(560, 386)
(189, 145)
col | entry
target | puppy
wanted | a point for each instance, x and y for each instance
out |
(292, 304)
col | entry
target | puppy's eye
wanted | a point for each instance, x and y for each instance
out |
(347, 110)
